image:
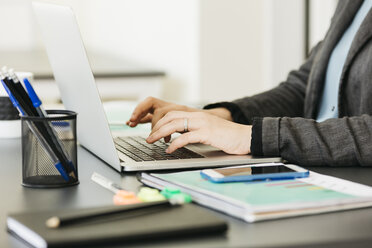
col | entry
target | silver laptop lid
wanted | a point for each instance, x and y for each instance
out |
(75, 80)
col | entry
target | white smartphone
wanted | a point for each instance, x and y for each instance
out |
(270, 171)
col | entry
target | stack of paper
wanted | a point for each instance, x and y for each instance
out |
(255, 201)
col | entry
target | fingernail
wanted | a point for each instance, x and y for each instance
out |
(167, 150)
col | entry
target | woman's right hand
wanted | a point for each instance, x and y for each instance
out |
(153, 109)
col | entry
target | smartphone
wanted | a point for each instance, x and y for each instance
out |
(271, 171)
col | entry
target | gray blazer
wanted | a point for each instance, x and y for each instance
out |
(288, 128)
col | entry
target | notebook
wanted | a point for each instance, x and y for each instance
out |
(79, 93)
(264, 200)
(173, 222)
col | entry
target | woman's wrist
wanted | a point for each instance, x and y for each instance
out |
(246, 136)
(223, 113)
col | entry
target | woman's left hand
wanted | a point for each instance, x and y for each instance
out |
(204, 128)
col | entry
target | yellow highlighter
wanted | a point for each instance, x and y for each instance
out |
(147, 194)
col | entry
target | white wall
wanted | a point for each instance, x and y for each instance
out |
(252, 48)
(231, 61)
(210, 49)
(16, 25)
(321, 12)
(162, 34)
(284, 39)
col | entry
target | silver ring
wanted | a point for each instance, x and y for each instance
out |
(185, 125)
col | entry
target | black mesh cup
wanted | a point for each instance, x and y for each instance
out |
(40, 165)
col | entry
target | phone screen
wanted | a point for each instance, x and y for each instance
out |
(253, 170)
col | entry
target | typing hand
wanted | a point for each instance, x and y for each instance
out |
(205, 128)
(152, 110)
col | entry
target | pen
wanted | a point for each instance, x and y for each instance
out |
(129, 210)
(36, 102)
(44, 128)
(14, 101)
(34, 98)
(16, 95)
(18, 92)
(12, 78)
(37, 134)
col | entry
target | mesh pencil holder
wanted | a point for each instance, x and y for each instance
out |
(49, 150)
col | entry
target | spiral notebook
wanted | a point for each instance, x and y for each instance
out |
(263, 200)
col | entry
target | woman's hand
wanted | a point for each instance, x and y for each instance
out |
(202, 128)
(153, 109)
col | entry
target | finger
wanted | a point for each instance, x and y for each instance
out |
(171, 116)
(159, 113)
(146, 119)
(143, 108)
(166, 130)
(184, 139)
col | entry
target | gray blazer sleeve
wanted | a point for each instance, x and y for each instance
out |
(335, 142)
(281, 130)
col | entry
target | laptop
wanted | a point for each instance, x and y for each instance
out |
(79, 93)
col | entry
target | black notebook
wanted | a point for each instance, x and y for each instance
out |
(178, 221)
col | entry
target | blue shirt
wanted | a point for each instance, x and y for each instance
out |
(329, 101)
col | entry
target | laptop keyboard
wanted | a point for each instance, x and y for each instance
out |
(139, 150)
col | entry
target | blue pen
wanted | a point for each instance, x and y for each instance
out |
(14, 101)
(17, 86)
(40, 137)
(40, 110)
(34, 98)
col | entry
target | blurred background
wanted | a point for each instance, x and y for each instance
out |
(188, 51)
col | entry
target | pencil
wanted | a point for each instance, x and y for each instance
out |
(94, 213)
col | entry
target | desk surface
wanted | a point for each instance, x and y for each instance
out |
(342, 229)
